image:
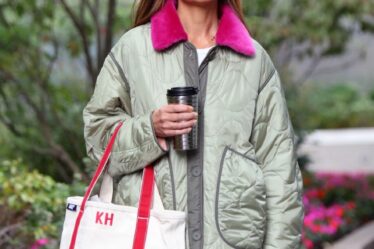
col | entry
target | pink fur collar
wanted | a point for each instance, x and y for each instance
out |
(167, 29)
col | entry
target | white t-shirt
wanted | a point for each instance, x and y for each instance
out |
(201, 53)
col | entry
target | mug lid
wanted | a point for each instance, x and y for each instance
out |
(182, 91)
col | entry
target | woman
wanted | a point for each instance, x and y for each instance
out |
(242, 187)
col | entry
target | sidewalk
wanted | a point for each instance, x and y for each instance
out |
(362, 238)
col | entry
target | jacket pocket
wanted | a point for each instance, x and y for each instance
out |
(240, 208)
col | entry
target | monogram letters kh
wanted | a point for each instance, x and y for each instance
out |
(103, 218)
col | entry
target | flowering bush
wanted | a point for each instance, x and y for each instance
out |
(335, 204)
(31, 207)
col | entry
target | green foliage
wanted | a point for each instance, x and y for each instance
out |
(313, 23)
(337, 106)
(32, 203)
(63, 114)
(306, 31)
(371, 95)
(40, 104)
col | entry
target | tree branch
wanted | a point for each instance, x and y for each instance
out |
(8, 123)
(41, 109)
(2, 17)
(10, 77)
(79, 26)
(9, 228)
(10, 126)
(311, 68)
(95, 17)
(343, 65)
(51, 63)
(111, 15)
(55, 150)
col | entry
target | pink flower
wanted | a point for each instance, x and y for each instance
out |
(308, 244)
(39, 243)
(329, 230)
(325, 220)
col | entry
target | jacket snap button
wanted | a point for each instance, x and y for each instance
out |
(196, 235)
(196, 171)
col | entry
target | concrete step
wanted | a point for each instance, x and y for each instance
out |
(340, 150)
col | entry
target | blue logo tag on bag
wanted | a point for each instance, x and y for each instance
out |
(71, 207)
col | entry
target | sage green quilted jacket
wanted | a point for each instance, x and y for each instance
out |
(242, 188)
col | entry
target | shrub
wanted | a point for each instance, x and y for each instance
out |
(337, 106)
(335, 204)
(31, 206)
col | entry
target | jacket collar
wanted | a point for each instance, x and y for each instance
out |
(167, 30)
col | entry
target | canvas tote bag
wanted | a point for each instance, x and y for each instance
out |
(91, 224)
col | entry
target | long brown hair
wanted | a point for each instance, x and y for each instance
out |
(144, 9)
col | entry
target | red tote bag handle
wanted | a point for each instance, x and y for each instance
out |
(144, 208)
(144, 203)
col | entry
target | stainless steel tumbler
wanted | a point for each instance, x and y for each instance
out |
(187, 96)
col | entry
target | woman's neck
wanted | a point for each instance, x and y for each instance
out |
(200, 21)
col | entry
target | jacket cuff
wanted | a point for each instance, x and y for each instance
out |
(138, 146)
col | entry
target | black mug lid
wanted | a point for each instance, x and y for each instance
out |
(182, 91)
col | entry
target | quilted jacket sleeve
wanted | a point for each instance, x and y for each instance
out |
(136, 144)
(274, 141)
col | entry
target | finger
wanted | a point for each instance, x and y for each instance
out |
(172, 133)
(178, 108)
(183, 116)
(178, 125)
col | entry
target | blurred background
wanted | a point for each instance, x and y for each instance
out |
(52, 51)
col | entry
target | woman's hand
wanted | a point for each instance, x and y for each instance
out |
(172, 120)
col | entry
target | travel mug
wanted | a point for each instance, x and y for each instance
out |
(187, 96)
